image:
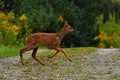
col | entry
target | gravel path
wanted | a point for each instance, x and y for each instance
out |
(8, 68)
(104, 64)
(101, 65)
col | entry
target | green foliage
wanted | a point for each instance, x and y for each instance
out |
(109, 35)
(41, 16)
(1, 5)
(44, 17)
(11, 30)
(82, 15)
(110, 27)
(91, 11)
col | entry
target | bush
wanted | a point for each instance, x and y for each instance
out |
(10, 29)
(108, 41)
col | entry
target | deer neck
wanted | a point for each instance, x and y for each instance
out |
(61, 34)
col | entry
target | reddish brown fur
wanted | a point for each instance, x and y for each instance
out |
(52, 40)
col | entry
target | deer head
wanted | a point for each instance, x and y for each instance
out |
(67, 27)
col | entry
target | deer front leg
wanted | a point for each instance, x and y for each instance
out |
(66, 55)
(34, 56)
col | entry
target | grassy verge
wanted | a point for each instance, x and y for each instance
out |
(6, 51)
(71, 51)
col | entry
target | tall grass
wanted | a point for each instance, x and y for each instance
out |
(6, 51)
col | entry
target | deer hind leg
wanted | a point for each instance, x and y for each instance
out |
(22, 50)
(54, 54)
(34, 56)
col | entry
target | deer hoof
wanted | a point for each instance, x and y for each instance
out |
(22, 63)
(43, 64)
(70, 60)
(50, 57)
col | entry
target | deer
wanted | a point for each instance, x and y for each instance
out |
(52, 40)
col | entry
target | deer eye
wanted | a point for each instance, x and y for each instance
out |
(67, 25)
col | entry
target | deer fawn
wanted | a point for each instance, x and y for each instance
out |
(52, 40)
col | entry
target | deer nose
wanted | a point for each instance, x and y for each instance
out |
(72, 30)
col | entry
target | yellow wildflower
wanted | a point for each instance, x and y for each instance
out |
(23, 17)
(5, 22)
(101, 45)
(11, 15)
(60, 19)
(102, 36)
(115, 35)
(14, 28)
(111, 46)
(97, 37)
(15, 33)
(2, 16)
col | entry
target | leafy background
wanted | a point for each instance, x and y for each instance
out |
(95, 22)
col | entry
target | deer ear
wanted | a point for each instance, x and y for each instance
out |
(66, 22)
